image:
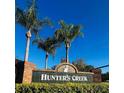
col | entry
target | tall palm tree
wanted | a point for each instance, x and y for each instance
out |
(30, 21)
(49, 46)
(67, 33)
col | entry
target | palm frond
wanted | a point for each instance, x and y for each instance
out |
(68, 32)
(49, 45)
(29, 19)
(46, 21)
(20, 17)
(59, 35)
(63, 25)
(75, 32)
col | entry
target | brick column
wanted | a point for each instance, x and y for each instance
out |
(27, 74)
(97, 75)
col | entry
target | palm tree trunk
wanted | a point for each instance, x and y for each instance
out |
(28, 35)
(46, 60)
(67, 49)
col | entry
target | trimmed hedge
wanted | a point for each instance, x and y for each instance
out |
(62, 88)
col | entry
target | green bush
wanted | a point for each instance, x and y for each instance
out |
(62, 88)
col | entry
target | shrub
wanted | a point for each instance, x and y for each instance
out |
(62, 88)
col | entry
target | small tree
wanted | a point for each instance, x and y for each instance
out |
(79, 63)
(82, 66)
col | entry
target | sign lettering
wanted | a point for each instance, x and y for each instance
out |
(39, 76)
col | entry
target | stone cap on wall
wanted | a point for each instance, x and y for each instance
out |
(86, 72)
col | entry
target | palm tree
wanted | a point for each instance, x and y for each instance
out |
(67, 33)
(30, 21)
(49, 46)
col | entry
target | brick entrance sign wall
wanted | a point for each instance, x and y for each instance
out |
(27, 74)
(23, 71)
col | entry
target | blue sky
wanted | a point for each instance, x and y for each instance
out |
(92, 14)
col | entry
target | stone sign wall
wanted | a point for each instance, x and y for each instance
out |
(26, 72)
(50, 76)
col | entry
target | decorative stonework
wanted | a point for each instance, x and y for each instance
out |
(66, 67)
